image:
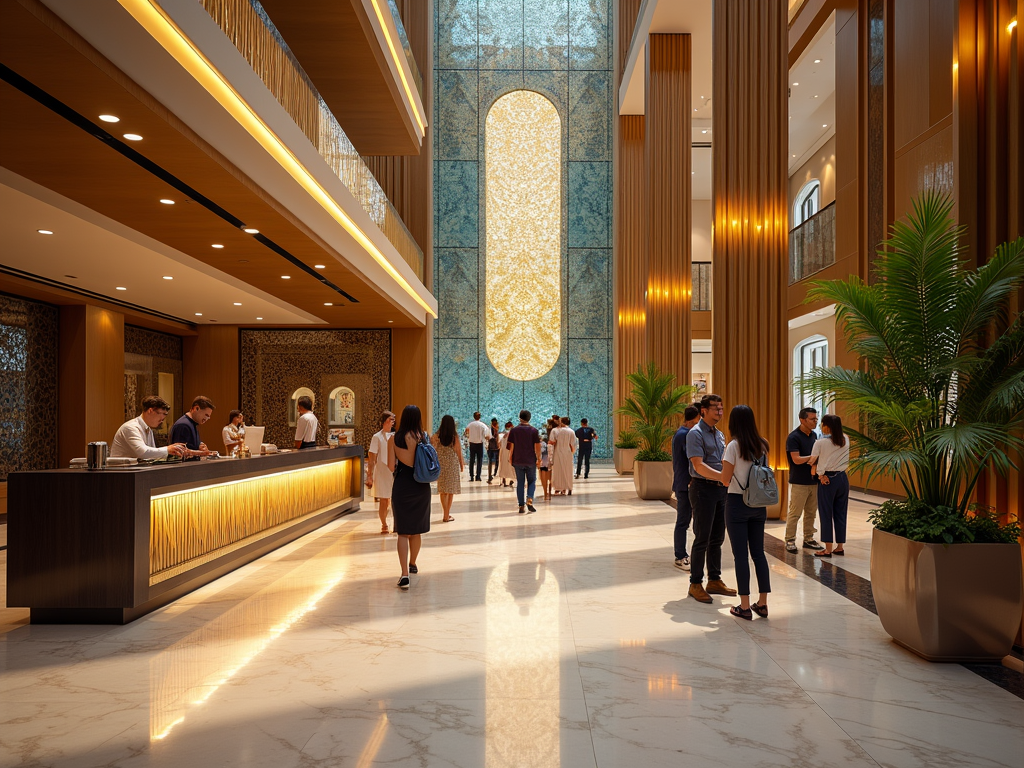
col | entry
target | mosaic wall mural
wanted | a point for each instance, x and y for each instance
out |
(28, 385)
(484, 50)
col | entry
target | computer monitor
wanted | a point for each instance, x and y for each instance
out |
(254, 438)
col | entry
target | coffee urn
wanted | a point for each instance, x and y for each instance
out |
(96, 455)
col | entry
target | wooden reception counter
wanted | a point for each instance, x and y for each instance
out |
(107, 546)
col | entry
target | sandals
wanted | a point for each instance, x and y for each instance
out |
(450, 518)
(741, 613)
(839, 552)
(823, 554)
(760, 610)
(384, 530)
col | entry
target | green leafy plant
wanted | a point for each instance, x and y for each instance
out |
(939, 398)
(917, 521)
(628, 438)
(652, 406)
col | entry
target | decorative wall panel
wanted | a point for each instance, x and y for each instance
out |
(485, 50)
(276, 363)
(28, 385)
(147, 354)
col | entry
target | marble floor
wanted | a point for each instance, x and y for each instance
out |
(561, 638)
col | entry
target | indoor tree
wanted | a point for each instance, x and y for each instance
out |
(651, 406)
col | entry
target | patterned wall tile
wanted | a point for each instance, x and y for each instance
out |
(459, 300)
(589, 215)
(456, 115)
(501, 34)
(590, 129)
(499, 395)
(546, 34)
(493, 85)
(456, 46)
(589, 33)
(589, 373)
(589, 314)
(456, 198)
(550, 393)
(455, 375)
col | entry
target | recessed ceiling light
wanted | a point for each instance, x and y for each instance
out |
(199, 314)
(133, 137)
(110, 118)
(251, 231)
(694, 109)
(166, 201)
(704, 131)
(259, 318)
(815, 95)
(168, 277)
(45, 231)
(328, 304)
(794, 155)
(320, 266)
(693, 173)
(238, 303)
(217, 245)
(825, 125)
(796, 83)
(121, 288)
(286, 277)
(391, 321)
(817, 61)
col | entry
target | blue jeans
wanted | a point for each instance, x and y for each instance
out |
(684, 514)
(526, 480)
(833, 503)
(746, 531)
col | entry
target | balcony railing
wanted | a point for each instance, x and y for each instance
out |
(701, 273)
(250, 29)
(406, 48)
(812, 245)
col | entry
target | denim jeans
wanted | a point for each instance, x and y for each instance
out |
(746, 531)
(476, 458)
(684, 514)
(526, 481)
(833, 503)
(492, 464)
(708, 503)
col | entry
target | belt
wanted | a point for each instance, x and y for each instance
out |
(709, 482)
(837, 472)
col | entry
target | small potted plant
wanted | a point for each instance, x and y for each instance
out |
(625, 451)
(939, 401)
(652, 406)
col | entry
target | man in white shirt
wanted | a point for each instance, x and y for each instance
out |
(478, 433)
(306, 425)
(135, 438)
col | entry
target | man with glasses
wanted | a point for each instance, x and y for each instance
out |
(135, 438)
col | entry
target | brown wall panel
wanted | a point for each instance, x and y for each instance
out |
(210, 368)
(927, 165)
(410, 383)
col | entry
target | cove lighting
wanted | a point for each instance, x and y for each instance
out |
(45, 231)
(166, 201)
(398, 65)
(133, 137)
(120, 288)
(217, 245)
(110, 118)
(251, 231)
(164, 31)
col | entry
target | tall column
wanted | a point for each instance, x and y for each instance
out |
(631, 253)
(667, 161)
(750, 215)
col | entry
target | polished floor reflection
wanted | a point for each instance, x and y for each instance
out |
(561, 638)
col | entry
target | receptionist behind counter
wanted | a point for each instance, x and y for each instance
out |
(186, 429)
(135, 437)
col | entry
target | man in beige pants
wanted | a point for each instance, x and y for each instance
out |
(803, 490)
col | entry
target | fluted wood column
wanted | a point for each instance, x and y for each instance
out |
(750, 215)
(667, 162)
(631, 253)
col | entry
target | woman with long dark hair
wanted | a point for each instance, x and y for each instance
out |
(449, 455)
(410, 500)
(745, 524)
(830, 460)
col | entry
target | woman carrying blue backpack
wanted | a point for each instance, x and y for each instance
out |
(414, 463)
(751, 489)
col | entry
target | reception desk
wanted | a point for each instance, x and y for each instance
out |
(107, 546)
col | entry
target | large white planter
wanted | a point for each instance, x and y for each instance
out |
(624, 460)
(653, 479)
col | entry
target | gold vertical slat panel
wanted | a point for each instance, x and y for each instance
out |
(189, 528)
(631, 254)
(667, 161)
(750, 216)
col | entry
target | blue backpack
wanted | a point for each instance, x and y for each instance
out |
(426, 466)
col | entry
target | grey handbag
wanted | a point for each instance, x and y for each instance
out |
(761, 489)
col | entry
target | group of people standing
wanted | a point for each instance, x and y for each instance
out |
(711, 476)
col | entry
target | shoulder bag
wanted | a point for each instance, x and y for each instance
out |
(426, 466)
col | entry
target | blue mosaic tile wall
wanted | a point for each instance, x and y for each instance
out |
(563, 50)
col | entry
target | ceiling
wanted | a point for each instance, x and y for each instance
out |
(812, 89)
(53, 141)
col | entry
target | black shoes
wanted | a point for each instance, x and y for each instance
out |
(522, 510)
(403, 583)
(413, 568)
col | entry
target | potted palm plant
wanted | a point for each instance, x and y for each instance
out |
(652, 406)
(938, 402)
(625, 451)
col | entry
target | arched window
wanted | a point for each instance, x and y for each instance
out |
(341, 407)
(523, 261)
(809, 354)
(808, 202)
(293, 413)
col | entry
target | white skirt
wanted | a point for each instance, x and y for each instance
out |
(383, 480)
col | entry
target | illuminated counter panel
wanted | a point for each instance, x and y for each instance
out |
(110, 546)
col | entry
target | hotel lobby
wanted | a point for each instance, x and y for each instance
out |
(239, 234)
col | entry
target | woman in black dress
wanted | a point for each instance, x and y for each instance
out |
(410, 500)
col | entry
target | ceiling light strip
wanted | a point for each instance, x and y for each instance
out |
(398, 64)
(167, 34)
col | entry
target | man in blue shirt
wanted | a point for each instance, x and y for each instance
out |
(186, 429)
(681, 486)
(705, 446)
